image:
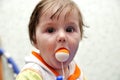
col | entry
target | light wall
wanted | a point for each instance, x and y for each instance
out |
(98, 54)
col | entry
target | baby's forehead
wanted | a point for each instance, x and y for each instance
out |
(49, 18)
(63, 17)
(58, 12)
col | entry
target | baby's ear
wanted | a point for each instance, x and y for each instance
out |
(35, 44)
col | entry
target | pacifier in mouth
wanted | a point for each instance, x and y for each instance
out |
(62, 55)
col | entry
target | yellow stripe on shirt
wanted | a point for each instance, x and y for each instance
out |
(28, 75)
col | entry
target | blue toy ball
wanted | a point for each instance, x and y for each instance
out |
(1, 52)
(59, 78)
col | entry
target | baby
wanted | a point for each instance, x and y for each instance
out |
(55, 29)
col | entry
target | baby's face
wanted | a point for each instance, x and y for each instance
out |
(53, 34)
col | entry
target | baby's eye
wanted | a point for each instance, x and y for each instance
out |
(69, 29)
(50, 30)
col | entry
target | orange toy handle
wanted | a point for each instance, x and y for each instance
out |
(1, 69)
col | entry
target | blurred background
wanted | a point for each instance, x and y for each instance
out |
(98, 54)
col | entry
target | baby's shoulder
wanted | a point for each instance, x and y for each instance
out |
(28, 74)
(30, 71)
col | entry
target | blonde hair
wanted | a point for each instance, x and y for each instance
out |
(46, 5)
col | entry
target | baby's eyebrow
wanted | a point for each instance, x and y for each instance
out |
(49, 23)
(71, 23)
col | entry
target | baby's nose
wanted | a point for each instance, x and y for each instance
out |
(62, 40)
(62, 37)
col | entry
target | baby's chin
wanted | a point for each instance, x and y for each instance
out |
(58, 65)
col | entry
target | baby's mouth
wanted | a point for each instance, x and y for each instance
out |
(61, 49)
(62, 54)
